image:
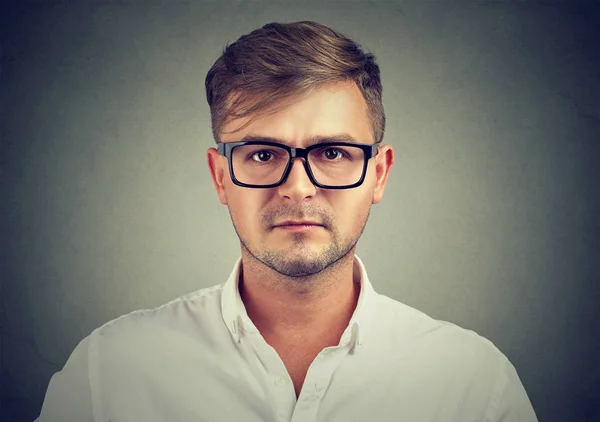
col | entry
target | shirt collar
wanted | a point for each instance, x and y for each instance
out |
(237, 320)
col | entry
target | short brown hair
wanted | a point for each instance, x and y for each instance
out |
(280, 62)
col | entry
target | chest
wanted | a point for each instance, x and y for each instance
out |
(150, 380)
(297, 369)
(297, 360)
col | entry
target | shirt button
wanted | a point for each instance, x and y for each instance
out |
(279, 381)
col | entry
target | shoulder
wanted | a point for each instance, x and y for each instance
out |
(179, 316)
(418, 336)
(445, 363)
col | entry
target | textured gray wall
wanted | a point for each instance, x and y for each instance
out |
(490, 219)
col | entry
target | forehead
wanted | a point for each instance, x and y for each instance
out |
(325, 111)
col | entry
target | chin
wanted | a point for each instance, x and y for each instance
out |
(299, 262)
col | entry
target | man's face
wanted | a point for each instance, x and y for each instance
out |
(333, 110)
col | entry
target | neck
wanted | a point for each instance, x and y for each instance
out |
(315, 307)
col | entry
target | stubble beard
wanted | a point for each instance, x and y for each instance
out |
(299, 260)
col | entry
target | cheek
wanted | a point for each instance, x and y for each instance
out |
(245, 208)
(351, 211)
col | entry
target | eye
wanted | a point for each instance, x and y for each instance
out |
(262, 156)
(333, 154)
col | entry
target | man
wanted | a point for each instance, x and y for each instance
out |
(297, 333)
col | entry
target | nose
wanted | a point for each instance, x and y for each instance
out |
(297, 186)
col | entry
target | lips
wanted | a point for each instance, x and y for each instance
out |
(297, 223)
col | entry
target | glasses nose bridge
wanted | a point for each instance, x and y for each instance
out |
(298, 153)
(301, 153)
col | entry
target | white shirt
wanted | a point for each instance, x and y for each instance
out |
(200, 358)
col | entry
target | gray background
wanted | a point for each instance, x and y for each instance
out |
(490, 219)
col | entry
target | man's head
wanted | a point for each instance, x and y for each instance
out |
(297, 85)
(274, 65)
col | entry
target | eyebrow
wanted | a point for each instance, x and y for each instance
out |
(313, 140)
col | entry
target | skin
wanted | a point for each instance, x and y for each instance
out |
(298, 288)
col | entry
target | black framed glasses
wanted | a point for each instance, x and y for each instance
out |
(329, 165)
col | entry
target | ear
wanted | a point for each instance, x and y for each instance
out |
(218, 169)
(383, 163)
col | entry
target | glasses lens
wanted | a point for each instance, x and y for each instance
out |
(334, 165)
(259, 164)
(331, 165)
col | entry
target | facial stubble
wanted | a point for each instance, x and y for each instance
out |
(298, 261)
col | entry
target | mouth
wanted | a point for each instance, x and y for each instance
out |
(298, 226)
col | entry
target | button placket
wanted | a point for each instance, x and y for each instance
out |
(281, 400)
